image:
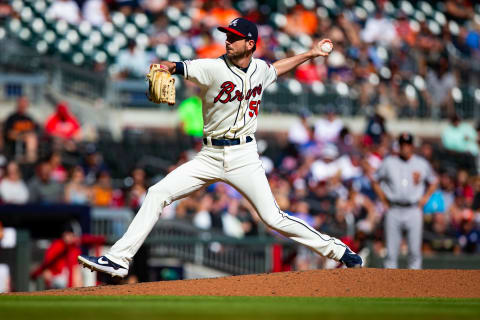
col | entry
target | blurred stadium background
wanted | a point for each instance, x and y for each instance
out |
(81, 144)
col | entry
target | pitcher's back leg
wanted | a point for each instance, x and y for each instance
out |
(179, 183)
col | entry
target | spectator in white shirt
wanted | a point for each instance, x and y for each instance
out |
(327, 167)
(95, 12)
(379, 29)
(349, 166)
(132, 62)
(12, 188)
(65, 10)
(298, 133)
(327, 130)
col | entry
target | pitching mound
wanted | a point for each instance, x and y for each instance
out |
(316, 283)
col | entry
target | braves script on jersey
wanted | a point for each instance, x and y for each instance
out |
(231, 97)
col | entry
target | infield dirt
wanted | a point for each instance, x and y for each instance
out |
(315, 283)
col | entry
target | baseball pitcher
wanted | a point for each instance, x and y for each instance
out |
(231, 90)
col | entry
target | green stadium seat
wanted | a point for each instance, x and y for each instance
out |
(61, 27)
(120, 39)
(420, 16)
(360, 13)
(38, 26)
(185, 23)
(3, 33)
(434, 27)
(162, 51)
(73, 37)
(130, 30)
(173, 13)
(108, 29)
(100, 56)
(440, 18)
(186, 52)
(50, 36)
(85, 28)
(42, 46)
(14, 25)
(425, 7)
(63, 46)
(40, 7)
(119, 19)
(26, 15)
(112, 48)
(87, 48)
(141, 21)
(78, 58)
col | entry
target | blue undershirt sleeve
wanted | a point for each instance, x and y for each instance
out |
(179, 69)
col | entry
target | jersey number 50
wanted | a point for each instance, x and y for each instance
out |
(254, 105)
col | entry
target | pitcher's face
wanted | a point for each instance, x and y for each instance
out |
(237, 46)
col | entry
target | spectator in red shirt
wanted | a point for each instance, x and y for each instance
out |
(63, 126)
(61, 269)
(311, 72)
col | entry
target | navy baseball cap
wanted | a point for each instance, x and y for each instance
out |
(406, 138)
(243, 28)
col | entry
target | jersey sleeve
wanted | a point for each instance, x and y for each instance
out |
(430, 176)
(270, 75)
(200, 71)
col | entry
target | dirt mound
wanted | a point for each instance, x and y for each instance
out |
(316, 283)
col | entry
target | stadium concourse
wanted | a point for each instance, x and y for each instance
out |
(343, 114)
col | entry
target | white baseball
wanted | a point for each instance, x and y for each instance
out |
(326, 47)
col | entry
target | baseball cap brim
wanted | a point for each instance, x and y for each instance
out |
(227, 29)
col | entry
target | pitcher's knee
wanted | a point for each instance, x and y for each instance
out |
(272, 221)
(160, 191)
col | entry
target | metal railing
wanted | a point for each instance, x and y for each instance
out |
(76, 81)
(179, 239)
(14, 85)
(110, 223)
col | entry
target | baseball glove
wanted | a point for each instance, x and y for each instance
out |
(161, 85)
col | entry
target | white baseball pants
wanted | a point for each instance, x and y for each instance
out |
(238, 166)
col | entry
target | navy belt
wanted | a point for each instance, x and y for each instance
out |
(227, 142)
(403, 204)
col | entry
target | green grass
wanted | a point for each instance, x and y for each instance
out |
(229, 308)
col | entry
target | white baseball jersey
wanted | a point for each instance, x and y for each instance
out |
(231, 97)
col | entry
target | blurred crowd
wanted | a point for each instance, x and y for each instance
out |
(408, 58)
(66, 170)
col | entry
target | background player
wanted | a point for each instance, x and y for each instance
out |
(400, 183)
(231, 90)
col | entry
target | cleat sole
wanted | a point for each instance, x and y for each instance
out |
(87, 265)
